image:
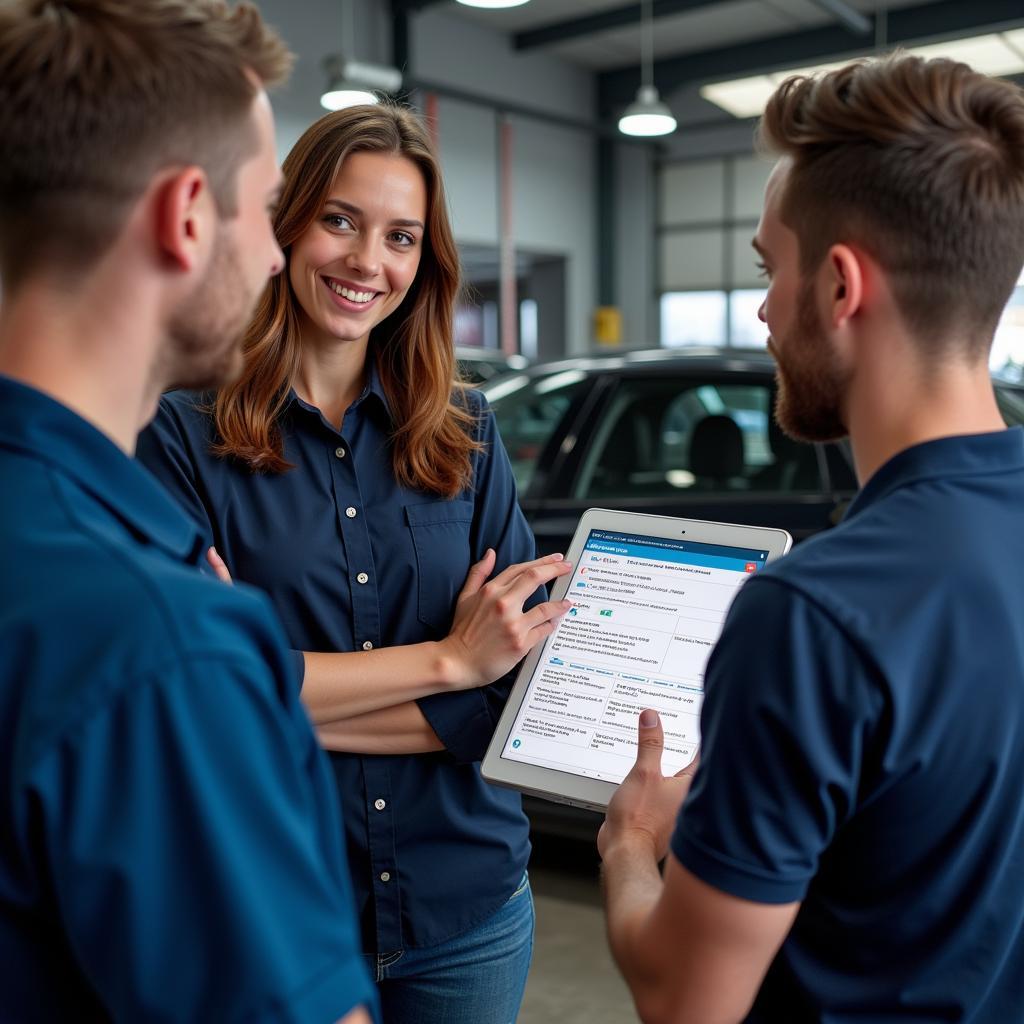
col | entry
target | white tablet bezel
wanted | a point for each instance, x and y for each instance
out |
(577, 790)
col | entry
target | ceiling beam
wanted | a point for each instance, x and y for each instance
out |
(411, 6)
(949, 18)
(629, 14)
(615, 17)
(847, 16)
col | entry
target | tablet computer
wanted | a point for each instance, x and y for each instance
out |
(649, 597)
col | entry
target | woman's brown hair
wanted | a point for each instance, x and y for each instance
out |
(432, 437)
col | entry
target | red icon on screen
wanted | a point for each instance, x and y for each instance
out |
(751, 567)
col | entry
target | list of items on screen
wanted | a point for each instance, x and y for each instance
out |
(645, 615)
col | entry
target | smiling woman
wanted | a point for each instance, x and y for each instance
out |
(349, 475)
(355, 264)
(365, 212)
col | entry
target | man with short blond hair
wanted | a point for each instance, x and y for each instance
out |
(171, 849)
(852, 847)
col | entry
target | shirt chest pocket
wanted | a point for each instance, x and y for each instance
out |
(440, 537)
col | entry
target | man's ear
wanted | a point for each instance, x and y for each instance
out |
(184, 217)
(844, 285)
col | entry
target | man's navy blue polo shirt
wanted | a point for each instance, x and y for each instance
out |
(171, 849)
(863, 736)
(353, 560)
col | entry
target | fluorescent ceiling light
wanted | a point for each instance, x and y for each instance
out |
(990, 55)
(747, 97)
(493, 4)
(744, 97)
(1015, 39)
(994, 54)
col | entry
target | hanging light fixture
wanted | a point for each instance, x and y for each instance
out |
(493, 4)
(647, 115)
(351, 82)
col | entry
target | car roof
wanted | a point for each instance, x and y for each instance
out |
(706, 359)
(647, 359)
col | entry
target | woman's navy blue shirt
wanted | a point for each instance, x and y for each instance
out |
(350, 558)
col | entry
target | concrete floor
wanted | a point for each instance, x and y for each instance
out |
(573, 979)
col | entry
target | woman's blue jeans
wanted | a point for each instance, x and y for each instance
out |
(476, 978)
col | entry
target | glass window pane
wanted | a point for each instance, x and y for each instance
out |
(751, 176)
(747, 330)
(691, 261)
(692, 318)
(744, 271)
(1011, 405)
(663, 437)
(527, 411)
(1007, 357)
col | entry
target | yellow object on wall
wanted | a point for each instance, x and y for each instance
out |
(608, 325)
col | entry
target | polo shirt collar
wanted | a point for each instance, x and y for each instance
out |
(41, 428)
(961, 455)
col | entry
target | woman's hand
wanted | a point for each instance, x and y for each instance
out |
(218, 565)
(491, 632)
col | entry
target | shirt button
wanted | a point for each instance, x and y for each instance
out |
(351, 512)
(380, 804)
(367, 645)
(339, 452)
(362, 578)
(385, 876)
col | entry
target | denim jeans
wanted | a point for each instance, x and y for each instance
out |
(476, 978)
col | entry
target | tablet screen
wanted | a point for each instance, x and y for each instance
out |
(646, 612)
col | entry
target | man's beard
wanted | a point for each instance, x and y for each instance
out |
(811, 383)
(204, 348)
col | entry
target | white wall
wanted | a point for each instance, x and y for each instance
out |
(467, 140)
(552, 166)
(634, 245)
(553, 204)
(466, 55)
(313, 30)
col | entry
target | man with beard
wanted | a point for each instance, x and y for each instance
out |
(171, 849)
(851, 847)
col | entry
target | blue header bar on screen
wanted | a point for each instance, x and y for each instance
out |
(683, 552)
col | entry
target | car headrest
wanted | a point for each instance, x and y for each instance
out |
(781, 444)
(716, 448)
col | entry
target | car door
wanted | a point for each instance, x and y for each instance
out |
(700, 444)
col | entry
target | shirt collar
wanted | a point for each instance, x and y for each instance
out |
(37, 426)
(962, 455)
(373, 391)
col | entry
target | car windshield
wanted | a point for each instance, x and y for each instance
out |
(527, 410)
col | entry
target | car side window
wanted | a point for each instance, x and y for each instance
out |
(1011, 405)
(661, 438)
(528, 411)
